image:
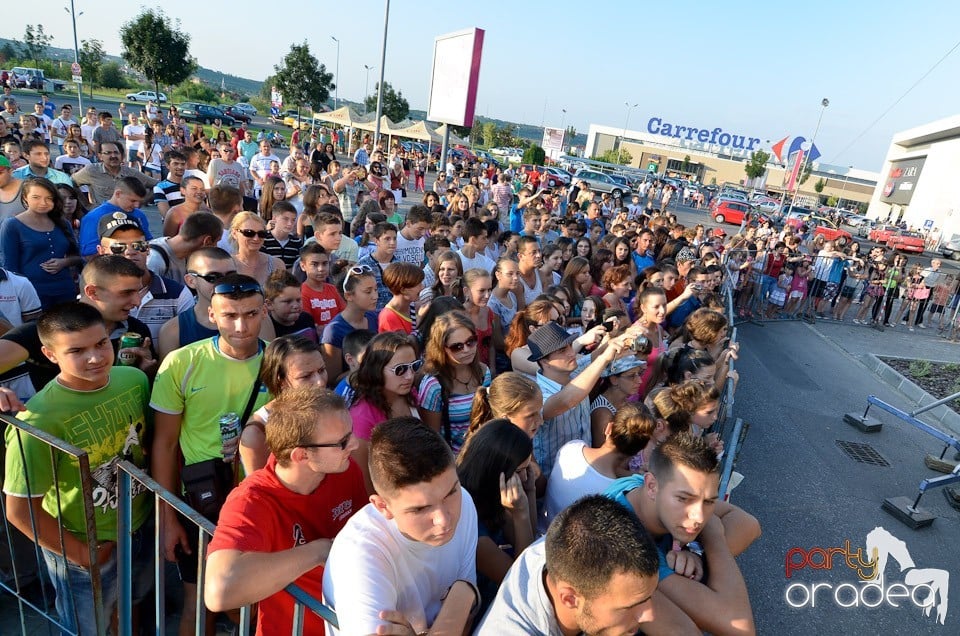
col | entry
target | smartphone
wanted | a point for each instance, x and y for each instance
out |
(610, 324)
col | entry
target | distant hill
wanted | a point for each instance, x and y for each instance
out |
(252, 87)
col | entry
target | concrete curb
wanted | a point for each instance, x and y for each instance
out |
(941, 415)
(917, 396)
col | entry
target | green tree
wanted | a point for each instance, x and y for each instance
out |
(395, 105)
(266, 87)
(819, 185)
(195, 92)
(112, 77)
(489, 134)
(569, 135)
(91, 61)
(534, 155)
(301, 79)
(35, 43)
(832, 201)
(623, 157)
(7, 52)
(158, 48)
(757, 166)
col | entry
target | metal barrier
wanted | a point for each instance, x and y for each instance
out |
(79, 457)
(730, 430)
(128, 475)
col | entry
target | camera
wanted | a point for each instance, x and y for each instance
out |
(641, 346)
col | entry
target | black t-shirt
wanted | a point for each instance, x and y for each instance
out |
(41, 370)
(304, 326)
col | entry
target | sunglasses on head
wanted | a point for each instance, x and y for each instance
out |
(469, 343)
(356, 270)
(136, 246)
(252, 233)
(401, 370)
(238, 288)
(212, 277)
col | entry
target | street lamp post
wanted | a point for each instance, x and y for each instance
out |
(336, 94)
(626, 123)
(76, 52)
(806, 160)
(383, 64)
(563, 127)
(366, 86)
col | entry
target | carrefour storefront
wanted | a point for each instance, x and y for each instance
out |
(917, 184)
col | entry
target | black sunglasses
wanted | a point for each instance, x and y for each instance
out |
(212, 277)
(401, 370)
(342, 444)
(240, 288)
(251, 233)
(457, 347)
(136, 246)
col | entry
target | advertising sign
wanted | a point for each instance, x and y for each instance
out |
(901, 181)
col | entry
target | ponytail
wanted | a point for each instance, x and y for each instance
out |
(480, 412)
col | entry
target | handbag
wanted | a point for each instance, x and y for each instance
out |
(206, 484)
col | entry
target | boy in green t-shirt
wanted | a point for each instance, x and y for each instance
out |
(102, 410)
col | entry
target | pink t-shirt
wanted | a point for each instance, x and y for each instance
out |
(366, 416)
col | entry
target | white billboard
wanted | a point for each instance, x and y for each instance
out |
(456, 71)
(553, 142)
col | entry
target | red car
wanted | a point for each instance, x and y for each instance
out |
(882, 233)
(829, 230)
(730, 211)
(906, 242)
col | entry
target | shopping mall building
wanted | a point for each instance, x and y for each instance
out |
(918, 181)
(714, 155)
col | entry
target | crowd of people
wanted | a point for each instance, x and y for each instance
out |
(491, 412)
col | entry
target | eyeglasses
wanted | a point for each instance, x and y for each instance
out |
(342, 444)
(252, 233)
(356, 270)
(401, 370)
(240, 288)
(469, 343)
(136, 246)
(212, 277)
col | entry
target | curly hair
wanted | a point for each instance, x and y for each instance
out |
(678, 403)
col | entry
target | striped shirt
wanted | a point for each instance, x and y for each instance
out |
(568, 426)
(431, 399)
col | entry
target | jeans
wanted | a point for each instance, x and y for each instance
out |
(74, 588)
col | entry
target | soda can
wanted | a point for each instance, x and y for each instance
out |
(127, 341)
(229, 435)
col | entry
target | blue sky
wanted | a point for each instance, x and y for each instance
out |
(748, 67)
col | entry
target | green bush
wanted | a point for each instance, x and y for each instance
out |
(534, 155)
(112, 77)
(191, 92)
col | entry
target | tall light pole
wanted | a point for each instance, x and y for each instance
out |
(336, 94)
(844, 187)
(806, 160)
(625, 124)
(563, 127)
(366, 87)
(383, 64)
(76, 52)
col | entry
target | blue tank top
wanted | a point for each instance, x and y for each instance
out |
(191, 330)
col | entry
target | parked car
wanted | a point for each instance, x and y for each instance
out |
(26, 77)
(829, 230)
(864, 229)
(600, 182)
(906, 242)
(555, 177)
(882, 233)
(730, 211)
(854, 220)
(951, 249)
(145, 96)
(239, 115)
(768, 206)
(204, 114)
(247, 109)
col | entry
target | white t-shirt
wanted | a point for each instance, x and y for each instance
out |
(133, 129)
(477, 262)
(61, 126)
(17, 296)
(409, 251)
(373, 567)
(572, 478)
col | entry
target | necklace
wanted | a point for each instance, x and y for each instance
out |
(466, 384)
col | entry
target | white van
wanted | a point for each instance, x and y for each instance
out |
(27, 77)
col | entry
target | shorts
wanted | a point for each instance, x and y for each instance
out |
(132, 155)
(796, 294)
(817, 288)
(936, 309)
(830, 291)
(74, 590)
(848, 292)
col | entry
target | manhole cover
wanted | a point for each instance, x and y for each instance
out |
(863, 453)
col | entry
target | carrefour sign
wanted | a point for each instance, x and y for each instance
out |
(656, 126)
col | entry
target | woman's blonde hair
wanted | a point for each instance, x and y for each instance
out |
(508, 393)
(239, 220)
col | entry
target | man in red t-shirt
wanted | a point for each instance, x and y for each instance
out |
(320, 299)
(277, 526)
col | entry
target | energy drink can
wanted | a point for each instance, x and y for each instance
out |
(127, 341)
(229, 435)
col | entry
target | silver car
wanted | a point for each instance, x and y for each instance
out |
(600, 182)
(951, 249)
(246, 109)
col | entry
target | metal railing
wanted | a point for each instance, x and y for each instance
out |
(128, 475)
(729, 429)
(47, 613)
